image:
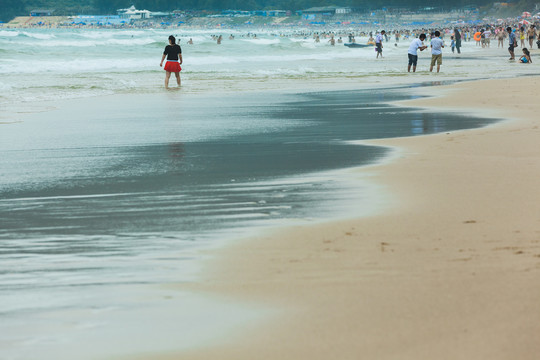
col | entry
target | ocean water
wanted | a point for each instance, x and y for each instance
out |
(38, 65)
(110, 185)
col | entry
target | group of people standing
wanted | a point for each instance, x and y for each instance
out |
(418, 45)
(173, 53)
(437, 44)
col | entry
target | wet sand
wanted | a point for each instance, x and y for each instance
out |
(449, 271)
(100, 212)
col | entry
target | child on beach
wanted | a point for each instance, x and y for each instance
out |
(452, 43)
(526, 58)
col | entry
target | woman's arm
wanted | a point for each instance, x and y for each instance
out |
(180, 58)
(162, 58)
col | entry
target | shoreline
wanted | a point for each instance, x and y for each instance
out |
(443, 274)
(419, 274)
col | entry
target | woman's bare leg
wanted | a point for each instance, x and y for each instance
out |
(167, 77)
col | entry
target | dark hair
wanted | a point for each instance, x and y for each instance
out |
(437, 33)
(422, 36)
(383, 32)
(509, 29)
(172, 39)
(526, 51)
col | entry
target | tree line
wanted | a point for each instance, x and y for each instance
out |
(12, 8)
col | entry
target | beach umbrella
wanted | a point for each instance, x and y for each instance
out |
(524, 22)
(526, 14)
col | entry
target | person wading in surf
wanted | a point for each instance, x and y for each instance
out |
(173, 53)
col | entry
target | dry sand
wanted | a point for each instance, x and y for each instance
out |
(451, 271)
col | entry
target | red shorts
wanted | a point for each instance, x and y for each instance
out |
(172, 66)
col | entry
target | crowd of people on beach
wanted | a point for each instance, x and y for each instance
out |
(482, 35)
(517, 35)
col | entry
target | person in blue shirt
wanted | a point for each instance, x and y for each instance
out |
(512, 43)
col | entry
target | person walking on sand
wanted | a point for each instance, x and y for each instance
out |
(173, 52)
(416, 44)
(378, 43)
(436, 51)
(512, 42)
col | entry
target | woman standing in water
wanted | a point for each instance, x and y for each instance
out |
(173, 52)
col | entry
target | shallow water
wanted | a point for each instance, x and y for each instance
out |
(39, 64)
(85, 197)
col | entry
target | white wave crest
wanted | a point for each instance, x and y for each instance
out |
(262, 41)
(7, 33)
(94, 42)
(76, 66)
(39, 36)
(132, 41)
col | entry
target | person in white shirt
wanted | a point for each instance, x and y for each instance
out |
(488, 35)
(416, 44)
(378, 42)
(436, 51)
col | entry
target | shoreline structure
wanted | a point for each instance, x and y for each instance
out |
(447, 273)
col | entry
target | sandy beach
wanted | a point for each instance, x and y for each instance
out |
(449, 271)
(125, 204)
